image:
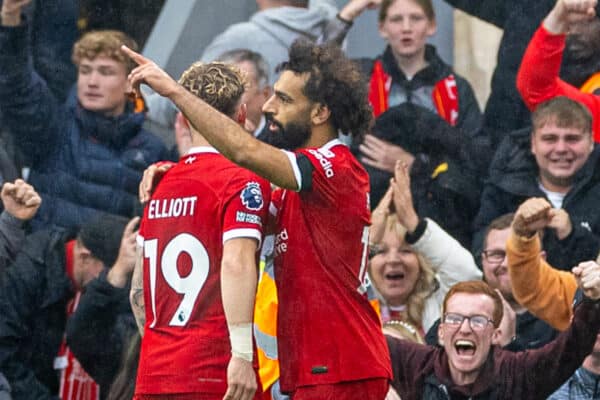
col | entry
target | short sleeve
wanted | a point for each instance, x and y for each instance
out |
(246, 207)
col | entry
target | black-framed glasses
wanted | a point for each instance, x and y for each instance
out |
(476, 322)
(494, 256)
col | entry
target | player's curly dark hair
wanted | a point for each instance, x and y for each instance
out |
(334, 81)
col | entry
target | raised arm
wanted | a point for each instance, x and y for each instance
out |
(29, 109)
(538, 77)
(548, 367)
(452, 262)
(227, 136)
(338, 27)
(546, 292)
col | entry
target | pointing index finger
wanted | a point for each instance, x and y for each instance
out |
(137, 57)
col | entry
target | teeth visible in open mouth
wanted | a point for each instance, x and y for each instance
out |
(465, 347)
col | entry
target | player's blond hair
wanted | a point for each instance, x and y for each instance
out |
(218, 84)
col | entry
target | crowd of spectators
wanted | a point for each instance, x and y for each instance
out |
(483, 240)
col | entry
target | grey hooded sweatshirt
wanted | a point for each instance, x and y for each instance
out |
(270, 32)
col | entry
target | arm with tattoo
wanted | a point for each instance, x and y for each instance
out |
(136, 295)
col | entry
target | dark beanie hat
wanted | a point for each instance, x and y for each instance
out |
(102, 237)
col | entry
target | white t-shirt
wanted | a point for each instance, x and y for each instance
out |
(556, 198)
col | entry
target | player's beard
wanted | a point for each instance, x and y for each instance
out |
(291, 136)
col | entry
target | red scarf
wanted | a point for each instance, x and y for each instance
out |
(444, 95)
(75, 383)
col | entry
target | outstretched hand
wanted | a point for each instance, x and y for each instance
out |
(149, 73)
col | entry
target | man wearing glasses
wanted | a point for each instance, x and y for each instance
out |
(522, 329)
(468, 364)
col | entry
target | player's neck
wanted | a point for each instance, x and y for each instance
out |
(199, 141)
(321, 135)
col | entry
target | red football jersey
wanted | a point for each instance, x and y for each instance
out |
(201, 202)
(327, 330)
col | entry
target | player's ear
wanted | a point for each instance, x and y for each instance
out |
(242, 114)
(319, 114)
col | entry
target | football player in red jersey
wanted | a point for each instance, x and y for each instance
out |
(194, 284)
(330, 343)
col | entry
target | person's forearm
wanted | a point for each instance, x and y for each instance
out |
(447, 256)
(136, 295)
(238, 289)
(335, 31)
(538, 76)
(230, 139)
(233, 142)
(555, 22)
(118, 276)
(545, 292)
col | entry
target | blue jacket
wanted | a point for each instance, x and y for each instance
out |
(82, 163)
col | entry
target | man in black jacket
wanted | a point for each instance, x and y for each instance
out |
(557, 161)
(104, 312)
(36, 290)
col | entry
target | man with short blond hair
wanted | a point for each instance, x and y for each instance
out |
(206, 217)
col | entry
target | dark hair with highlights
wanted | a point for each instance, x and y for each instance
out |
(218, 84)
(335, 82)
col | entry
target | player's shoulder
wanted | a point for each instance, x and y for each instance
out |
(242, 175)
(334, 159)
